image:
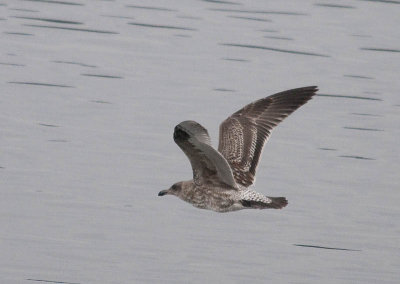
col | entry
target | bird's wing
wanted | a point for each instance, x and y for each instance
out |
(243, 134)
(208, 165)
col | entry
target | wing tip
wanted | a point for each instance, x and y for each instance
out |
(191, 128)
(297, 96)
(312, 89)
(180, 134)
(305, 90)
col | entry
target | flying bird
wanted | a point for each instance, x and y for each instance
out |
(222, 179)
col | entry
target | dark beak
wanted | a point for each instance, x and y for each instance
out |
(163, 192)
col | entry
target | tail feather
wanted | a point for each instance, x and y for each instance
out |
(276, 203)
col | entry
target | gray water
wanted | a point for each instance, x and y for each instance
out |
(91, 92)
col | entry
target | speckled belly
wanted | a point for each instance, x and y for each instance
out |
(214, 199)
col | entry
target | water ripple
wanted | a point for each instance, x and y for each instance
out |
(383, 1)
(223, 90)
(221, 2)
(15, 33)
(334, 5)
(358, 77)
(360, 128)
(320, 247)
(48, 125)
(75, 63)
(274, 49)
(380, 49)
(161, 26)
(349, 97)
(366, 114)
(11, 64)
(278, 37)
(72, 29)
(102, 76)
(250, 19)
(39, 84)
(51, 281)
(49, 20)
(24, 10)
(151, 8)
(56, 2)
(235, 59)
(259, 12)
(356, 157)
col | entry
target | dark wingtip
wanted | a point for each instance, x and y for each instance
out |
(297, 97)
(314, 89)
(307, 91)
(180, 134)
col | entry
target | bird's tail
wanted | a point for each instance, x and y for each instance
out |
(276, 203)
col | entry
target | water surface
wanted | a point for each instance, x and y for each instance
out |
(91, 92)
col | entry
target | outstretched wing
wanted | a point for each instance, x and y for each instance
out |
(242, 135)
(208, 165)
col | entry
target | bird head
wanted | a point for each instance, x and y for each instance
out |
(174, 189)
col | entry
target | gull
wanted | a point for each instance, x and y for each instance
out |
(222, 179)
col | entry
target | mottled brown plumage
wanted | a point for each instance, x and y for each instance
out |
(242, 135)
(221, 178)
